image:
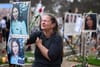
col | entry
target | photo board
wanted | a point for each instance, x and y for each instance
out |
(72, 24)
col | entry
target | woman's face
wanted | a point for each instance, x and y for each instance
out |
(46, 23)
(15, 13)
(15, 48)
(89, 22)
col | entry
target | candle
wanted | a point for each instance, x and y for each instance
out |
(3, 59)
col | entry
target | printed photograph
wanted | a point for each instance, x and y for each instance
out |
(90, 22)
(19, 19)
(16, 51)
(72, 24)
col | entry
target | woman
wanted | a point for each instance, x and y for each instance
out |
(15, 55)
(17, 26)
(14, 51)
(90, 22)
(49, 44)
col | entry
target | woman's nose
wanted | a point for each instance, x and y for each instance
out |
(43, 22)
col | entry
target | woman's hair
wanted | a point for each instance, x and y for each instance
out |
(12, 41)
(53, 19)
(93, 18)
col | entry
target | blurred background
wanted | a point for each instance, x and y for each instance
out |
(59, 7)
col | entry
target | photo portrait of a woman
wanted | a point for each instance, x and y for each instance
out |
(90, 22)
(15, 47)
(16, 54)
(18, 24)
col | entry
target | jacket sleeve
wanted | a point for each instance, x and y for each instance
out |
(56, 49)
(32, 38)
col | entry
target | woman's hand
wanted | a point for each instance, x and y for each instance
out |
(42, 48)
(38, 42)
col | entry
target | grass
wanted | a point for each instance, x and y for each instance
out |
(29, 54)
(91, 60)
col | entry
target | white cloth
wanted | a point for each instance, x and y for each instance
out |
(3, 23)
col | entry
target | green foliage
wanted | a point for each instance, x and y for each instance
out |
(29, 54)
(80, 58)
(78, 65)
(93, 61)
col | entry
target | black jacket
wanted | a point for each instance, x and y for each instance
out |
(53, 44)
